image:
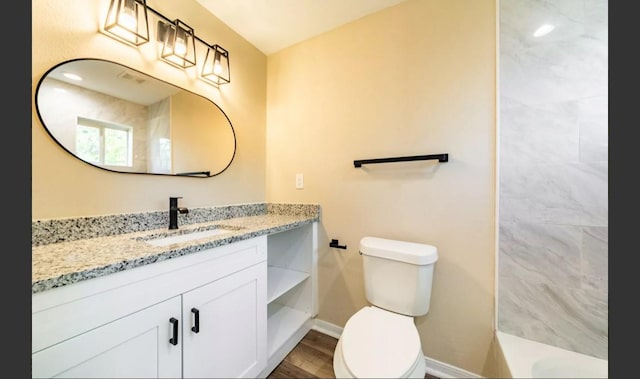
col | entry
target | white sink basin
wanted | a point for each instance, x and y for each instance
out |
(188, 236)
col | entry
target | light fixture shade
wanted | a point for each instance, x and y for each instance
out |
(216, 66)
(178, 43)
(127, 21)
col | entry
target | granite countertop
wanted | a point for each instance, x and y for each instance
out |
(63, 263)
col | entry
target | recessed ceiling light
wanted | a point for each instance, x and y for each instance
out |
(72, 76)
(543, 30)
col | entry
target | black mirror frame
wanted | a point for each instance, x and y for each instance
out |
(204, 174)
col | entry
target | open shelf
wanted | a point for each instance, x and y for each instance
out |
(282, 322)
(280, 280)
(291, 290)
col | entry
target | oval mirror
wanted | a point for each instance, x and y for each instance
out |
(119, 119)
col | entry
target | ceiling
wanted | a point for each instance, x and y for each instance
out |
(114, 79)
(272, 25)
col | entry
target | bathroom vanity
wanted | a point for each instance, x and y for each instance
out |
(228, 305)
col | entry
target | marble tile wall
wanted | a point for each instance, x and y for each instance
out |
(159, 138)
(553, 215)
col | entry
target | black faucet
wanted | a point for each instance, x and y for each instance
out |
(174, 209)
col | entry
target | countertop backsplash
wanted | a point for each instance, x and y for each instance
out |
(44, 232)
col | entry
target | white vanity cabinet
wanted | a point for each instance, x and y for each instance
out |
(234, 311)
(224, 333)
(138, 322)
(134, 346)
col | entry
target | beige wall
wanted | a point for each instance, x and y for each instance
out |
(63, 186)
(186, 111)
(502, 368)
(417, 78)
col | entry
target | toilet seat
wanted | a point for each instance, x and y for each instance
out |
(376, 343)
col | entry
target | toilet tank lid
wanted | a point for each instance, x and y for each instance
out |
(410, 252)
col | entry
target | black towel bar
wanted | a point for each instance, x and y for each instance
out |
(439, 157)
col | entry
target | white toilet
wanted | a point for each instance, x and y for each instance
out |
(381, 341)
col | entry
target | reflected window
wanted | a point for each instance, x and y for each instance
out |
(104, 143)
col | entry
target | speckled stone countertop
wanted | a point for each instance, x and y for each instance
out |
(80, 254)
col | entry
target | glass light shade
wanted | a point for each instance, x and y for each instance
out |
(178, 44)
(127, 21)
(216, 66)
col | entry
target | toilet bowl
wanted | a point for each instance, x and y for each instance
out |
(381, 340)
(377, 343)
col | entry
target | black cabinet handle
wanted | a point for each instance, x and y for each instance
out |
(196, 327)
(174, 340)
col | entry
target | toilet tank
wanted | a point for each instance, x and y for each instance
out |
(398, 274)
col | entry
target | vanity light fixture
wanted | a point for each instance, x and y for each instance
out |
(216, 66)
(178, 43)
(127, 21)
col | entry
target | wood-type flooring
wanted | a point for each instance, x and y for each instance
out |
(311, 358)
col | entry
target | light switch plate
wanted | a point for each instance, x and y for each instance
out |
(299, 181)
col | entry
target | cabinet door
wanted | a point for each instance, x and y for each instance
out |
(135, 346)
(229, 340)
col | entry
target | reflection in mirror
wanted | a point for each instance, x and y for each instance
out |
(122, 120)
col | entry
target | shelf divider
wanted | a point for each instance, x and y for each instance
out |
(280, 280)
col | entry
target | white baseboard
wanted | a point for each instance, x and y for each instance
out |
(433, 367)
(445, 370)
(327, 328)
